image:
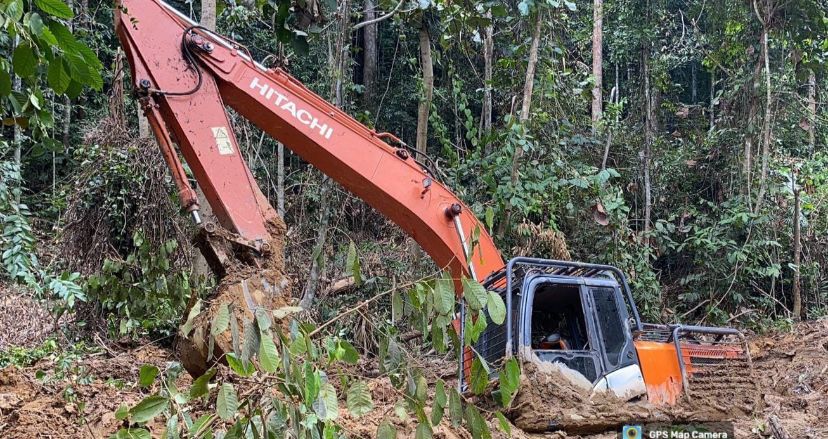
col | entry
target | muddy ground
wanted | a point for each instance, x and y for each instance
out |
(55, 400)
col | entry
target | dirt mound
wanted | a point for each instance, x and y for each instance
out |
(555, 398)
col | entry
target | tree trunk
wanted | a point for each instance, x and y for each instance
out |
(208, 14)
(597, 62)
(712, 109)
(488, 61)
(797, 250)
(766, 123)
(17, 85)
(528, 86)
(649, 124)
(280, 179)
(200, 266)
(369, 65)
(428, 89)
(812, 112)
(337, 67)
(693, 83)
(67, 103)
(753, 103)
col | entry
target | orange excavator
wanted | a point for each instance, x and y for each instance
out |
(577, 314)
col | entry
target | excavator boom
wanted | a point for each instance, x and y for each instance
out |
(187, 75)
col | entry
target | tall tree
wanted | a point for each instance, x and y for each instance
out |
(208, 14)
(526, 105)
(812, 112)
(488, 67)
(765, 14)
(649, 137)
(369, 65)
(796, 291)
(597, 61)
(427, 65)
(337, 65)
(200, 266)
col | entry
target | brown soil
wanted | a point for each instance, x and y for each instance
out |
(79, 404)
(791, 371)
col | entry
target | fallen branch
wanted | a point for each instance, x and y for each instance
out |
(776, 428)
(363, 304)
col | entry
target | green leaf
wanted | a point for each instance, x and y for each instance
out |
(227, 404)
(5, 83)
(479, 376)
(326, 404)
(444, 295)
(477, 424)
(149, 408)
(57, 76)
(489, 218)
(440, 396)
(455, 407)
(496, 308)
(262, 320)
(24, 61)
(509, 381)
(146, 375)
(474, 293)
(386, 431)
(252, 337)
(396, 298)
(423, 431)
(199, 387)
(268, 355)
(238, 366)
(221, 321)
(122, 412)
(440, 403)
(348, 354)
(55, 8)
(503, 424)
(188, 325)
(132, 433)
(352, 263)
(359, 399)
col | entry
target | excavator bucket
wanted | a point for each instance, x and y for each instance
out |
(247, 294)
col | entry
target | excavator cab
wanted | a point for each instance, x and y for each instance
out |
(582, 323)
(583, 317)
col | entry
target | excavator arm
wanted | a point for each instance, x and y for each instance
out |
(185, 75)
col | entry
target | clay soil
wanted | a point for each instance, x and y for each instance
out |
(791, 372)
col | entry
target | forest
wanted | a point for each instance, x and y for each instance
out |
(684, 142)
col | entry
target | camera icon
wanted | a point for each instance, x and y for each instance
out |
(632, 432)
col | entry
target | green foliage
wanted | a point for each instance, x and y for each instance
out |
(142, 293)
(24, 357)
(17, 244)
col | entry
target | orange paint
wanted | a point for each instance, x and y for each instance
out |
(660, 367)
